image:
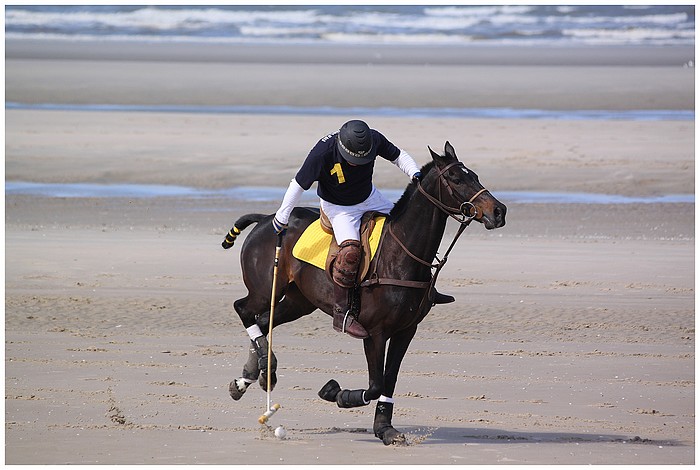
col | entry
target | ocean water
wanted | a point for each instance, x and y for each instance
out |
(273, 194)
(380, 24)
(445, 113)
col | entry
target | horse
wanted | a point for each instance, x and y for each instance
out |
(394, 299)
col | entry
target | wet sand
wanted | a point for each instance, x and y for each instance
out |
(571, 341)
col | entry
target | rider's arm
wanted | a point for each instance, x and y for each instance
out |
(303, 180)
(407, 164)
(291, 197)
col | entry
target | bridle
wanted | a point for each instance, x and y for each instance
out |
(464, 214)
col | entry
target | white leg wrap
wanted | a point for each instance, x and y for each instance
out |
(254, 331)
(384, 399)
(242, 384)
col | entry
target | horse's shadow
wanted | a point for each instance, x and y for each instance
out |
(425, 435)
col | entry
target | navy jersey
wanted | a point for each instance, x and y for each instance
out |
(338, 181)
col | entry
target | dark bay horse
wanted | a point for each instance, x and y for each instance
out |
(393, 302)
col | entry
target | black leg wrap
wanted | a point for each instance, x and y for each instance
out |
(382, 418)
(351, 399)
(383, 428)
(260, 345)
(251, 370)
(329, 391)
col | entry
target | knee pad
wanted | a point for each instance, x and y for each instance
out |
(346, 263)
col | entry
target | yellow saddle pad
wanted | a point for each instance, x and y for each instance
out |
(313, 245)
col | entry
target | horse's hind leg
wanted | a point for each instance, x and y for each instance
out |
(251, 372)
(248, 311)
(293, 306)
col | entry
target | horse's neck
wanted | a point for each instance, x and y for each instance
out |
(421, 227)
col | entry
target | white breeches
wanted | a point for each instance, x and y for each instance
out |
(346, 219)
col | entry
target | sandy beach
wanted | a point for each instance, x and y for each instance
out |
(572, 339)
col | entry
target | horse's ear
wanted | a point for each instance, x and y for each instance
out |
(433, 154)
(450, 150)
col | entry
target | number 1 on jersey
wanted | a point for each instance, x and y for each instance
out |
(338, 171)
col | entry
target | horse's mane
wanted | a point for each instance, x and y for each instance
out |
(402, 204)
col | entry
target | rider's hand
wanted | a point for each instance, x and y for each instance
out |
(417, 177)
(278, 226)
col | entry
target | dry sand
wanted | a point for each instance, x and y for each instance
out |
(571, 341)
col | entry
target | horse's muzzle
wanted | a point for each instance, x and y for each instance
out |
(495, 218)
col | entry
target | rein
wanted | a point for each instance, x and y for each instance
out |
(464, 214)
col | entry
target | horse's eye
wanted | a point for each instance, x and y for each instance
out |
(453, 178)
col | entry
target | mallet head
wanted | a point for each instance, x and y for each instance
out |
(265, 416)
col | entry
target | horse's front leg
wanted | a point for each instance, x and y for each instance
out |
(383, 429)
(374, 353)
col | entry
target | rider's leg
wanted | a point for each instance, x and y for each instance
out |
(344, 272)
(346, 230)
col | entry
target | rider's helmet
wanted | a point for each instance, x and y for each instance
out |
(355, 143)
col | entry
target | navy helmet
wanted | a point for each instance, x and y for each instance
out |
(355, 143)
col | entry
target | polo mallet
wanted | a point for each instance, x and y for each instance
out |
(271, 409)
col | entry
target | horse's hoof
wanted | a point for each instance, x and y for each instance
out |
(237, 388)
(391, 437)
(330, 391)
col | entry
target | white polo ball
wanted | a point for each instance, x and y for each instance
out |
(280, 432)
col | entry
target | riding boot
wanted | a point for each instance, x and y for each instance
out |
(439, 298)
(343, 320)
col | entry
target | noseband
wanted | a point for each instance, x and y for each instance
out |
(463, 214)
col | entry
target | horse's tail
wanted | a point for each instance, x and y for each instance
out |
(241, 224)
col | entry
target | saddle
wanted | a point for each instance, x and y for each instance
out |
(318, 247)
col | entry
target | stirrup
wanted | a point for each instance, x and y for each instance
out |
(345, 322)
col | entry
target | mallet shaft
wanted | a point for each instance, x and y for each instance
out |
(271, 409)
(273, 302)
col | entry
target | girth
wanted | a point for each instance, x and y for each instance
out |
(374, 278)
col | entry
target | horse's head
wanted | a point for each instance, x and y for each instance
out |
(457, 191)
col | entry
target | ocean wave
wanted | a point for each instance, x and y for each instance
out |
(462, 24)
(369, 38)
(607, 36)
